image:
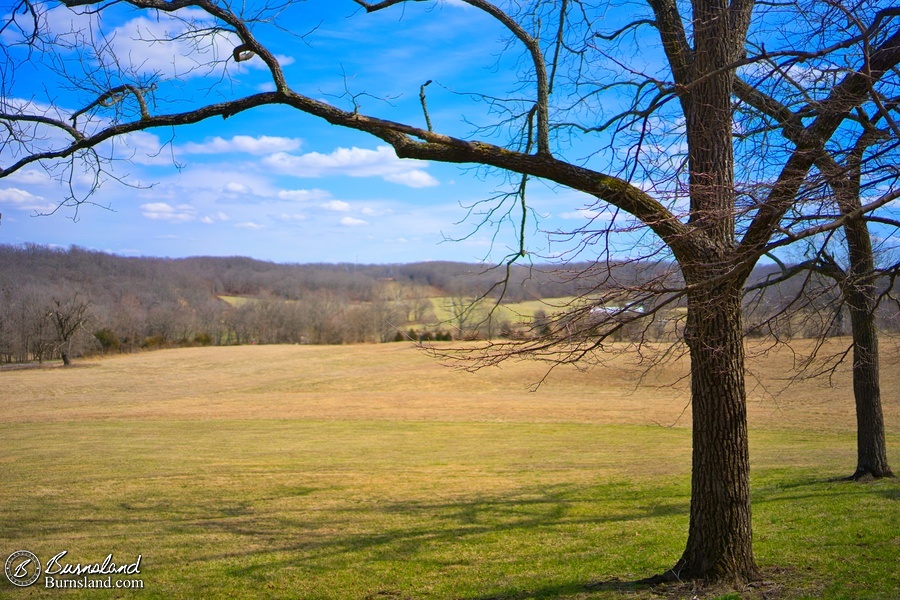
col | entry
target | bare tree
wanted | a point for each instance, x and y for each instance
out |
(463, 314)
(69, 314)
(663, 162)
(855, 168)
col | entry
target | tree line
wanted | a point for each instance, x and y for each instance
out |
(60, 303)
(121, 304)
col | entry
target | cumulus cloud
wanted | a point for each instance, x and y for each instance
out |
(250, 225)
(336, 206)
(351, 222)
(181, 44)
(414, 179)
(259, 145)
(354, 162)
(234, 187)
(141, 147)
(313, 195)
(24, 200)
(289, 218)
(162, 211)
(29, 177)
(139, 40)
(376, 212)
(218, 217)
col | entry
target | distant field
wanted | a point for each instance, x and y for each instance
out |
(514, 312)
(375, 472)
(236, 301)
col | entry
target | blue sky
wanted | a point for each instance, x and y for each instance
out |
(278, 185)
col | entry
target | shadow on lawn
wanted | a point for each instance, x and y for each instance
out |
(385, 532)
(817, 488)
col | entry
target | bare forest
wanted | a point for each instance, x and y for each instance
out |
(62, 303)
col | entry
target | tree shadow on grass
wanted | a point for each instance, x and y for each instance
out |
(817, 488)
(428, 533)
(248, 539)
(538, 509)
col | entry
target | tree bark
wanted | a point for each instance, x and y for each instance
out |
(860, 294)
(857, 282)
(719, 545)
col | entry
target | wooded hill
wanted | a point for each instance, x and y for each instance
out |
(60, 302)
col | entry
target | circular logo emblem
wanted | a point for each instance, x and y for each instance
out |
(23, 568)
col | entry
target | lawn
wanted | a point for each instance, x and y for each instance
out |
(374, 472)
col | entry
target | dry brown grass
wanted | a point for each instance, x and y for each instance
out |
(400, 383)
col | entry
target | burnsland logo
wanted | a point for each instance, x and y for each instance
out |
(107, 567)
(23, 569)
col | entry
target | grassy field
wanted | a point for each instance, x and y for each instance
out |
(514, 312)
(374, 472)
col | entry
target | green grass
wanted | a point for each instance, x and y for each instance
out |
(514, 312)
(422, 510)
(396, 506)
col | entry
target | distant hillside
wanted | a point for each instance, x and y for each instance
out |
(55, 301)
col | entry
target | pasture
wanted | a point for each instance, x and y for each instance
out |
(375, 472)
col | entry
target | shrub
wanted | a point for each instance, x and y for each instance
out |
(109, 340)
(154, 342)
(203, 339)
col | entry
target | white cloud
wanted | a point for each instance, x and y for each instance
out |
(246, 144)
(288, 218)
(145, 44)
(314, 194)
(354, 162)
(180, 45)
(250, 225)
(234, 187)
(218, 217)
(209, 184)
(336, 206)
(29, 177)
(162, 211)
(376, 212)
(142, 148)
(351, 222)
(413, 179)
(24, 200)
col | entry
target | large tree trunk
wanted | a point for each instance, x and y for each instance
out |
(859, 293)
(719, 545)
(870, 443)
